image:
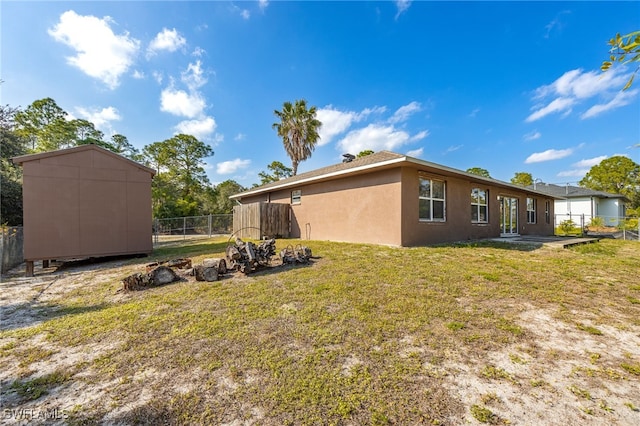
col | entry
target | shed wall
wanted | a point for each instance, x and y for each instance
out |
(85, 204)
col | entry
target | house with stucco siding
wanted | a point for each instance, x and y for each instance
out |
(394, 199)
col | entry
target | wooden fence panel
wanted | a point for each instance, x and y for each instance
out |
(258, 220)
(274, 220)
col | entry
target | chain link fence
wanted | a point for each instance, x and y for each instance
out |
(191, 227)
(625, 228)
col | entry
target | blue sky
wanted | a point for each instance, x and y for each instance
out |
(506, 86)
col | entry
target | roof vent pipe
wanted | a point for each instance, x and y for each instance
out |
(348, 158)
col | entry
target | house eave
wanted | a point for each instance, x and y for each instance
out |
(380, 166)
(314, 179)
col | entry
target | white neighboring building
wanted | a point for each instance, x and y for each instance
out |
(578, 203)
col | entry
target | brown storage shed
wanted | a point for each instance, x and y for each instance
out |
(84, 202)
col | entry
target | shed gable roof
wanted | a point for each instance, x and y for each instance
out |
(376, 161)
(76, 149)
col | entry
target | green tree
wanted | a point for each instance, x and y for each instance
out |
(44, 124)
(180, 178)
(364, 153)
(624, 49)
(122, 146)
(86, 133)
(11, 145)
(479, 171)
(223, 205)
(298, 128)
(277, 171)
(619, 175)
(522, 179)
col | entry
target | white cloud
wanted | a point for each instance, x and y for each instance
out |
(575, 87)
(590, 162)
(181, 103)
(199, 52)
(240, 137)
(475, 112)
(193, 76)
(419, 136)
(532, 136)
(453, 148)
(404, 112)
(245, 14)
(375, 137)
(100, 53)
(402, 6)
(138, 75)
(229, 167)
(573, 173)
(157, 76)
(621, 99)
(548, 155)
(201, 128)
(263, 4)
(169, 40)
(557, 105)
(101, 118)
(416, 153)
(335, 122)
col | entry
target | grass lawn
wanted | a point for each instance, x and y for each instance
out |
(458, 334)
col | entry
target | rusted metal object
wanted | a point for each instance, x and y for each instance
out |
(247, 257)
(297, 254)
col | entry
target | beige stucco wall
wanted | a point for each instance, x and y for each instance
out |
(358, 208)
(381, 207)
(458, 225)
(85, 204)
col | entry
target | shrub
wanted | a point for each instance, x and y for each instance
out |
(597, 222)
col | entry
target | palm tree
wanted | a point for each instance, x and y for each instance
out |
(298, 128)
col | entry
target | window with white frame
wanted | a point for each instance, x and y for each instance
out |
(479, 208)
(531, 210)
(431, 200)
(296, 197)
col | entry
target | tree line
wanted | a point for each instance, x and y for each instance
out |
(180, 187)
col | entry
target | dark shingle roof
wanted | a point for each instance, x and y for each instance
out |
(568, 191)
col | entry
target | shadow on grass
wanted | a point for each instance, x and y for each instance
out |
(183, 250)
(26, 314)
(276, 268)
(514, 246)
